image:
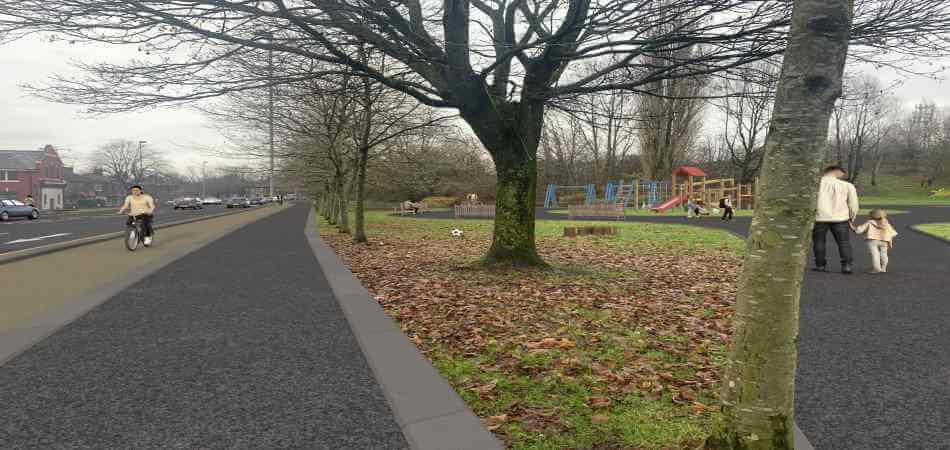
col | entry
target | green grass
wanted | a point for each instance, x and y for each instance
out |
(901, 190)
(636, 421)
(676, 238)
(543, 381)
(941, 230)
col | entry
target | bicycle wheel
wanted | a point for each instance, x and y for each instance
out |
(132, 240)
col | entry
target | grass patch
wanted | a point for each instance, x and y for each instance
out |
(619, 345)
(901, 190)
(941, 230)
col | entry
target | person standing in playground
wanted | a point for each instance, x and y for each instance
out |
(837, 208)
(725, 204)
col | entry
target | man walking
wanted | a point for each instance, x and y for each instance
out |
(837, 208)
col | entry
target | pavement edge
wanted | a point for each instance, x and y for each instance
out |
(430, 413)
(18, 340)
(38, 251)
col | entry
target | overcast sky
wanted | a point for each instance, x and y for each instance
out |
(180, 134)
(28, 123)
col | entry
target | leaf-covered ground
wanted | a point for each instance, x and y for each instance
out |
(618, 346)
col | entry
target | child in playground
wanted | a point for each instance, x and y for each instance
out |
(725, 204)
(879, 235)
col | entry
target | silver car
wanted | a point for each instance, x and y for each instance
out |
(16, 208)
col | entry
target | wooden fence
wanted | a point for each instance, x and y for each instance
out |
(475, 211)
(612, 210)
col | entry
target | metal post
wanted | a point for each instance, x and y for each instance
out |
(141, 171)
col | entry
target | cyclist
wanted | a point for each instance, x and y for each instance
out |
(140, 205)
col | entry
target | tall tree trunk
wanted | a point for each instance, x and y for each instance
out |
(876, 167)
(759, 383)
(334, 205)
(360, 234)
(343, 200)
(513, 240)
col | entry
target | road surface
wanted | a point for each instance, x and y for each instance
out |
(21, 234)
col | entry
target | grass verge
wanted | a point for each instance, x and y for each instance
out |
(619, 345)
(941, 230)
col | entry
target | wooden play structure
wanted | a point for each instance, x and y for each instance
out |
(691, 183)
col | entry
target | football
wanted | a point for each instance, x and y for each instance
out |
(456, 232)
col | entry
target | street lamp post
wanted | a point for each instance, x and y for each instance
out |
(141, 171)
(268, 38)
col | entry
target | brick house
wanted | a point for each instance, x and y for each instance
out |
(92, 189)
(33, 172)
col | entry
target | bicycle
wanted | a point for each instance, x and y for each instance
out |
(136, 234)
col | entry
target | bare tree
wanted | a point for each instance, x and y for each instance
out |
(498, 62)
(127, 161)
(861, 120)
(747, 114)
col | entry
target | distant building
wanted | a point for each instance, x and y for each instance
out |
(33, 172)
(92, 189)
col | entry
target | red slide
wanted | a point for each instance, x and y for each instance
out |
(669, 204)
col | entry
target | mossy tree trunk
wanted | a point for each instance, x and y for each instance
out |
(511, 132)
(360, 225)
(342, 200)
(759, 383)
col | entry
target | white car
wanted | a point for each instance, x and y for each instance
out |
(212, 201)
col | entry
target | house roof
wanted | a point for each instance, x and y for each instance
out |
(20, 159)
(685, 171)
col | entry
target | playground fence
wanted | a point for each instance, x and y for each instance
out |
(475, 211)
(612, 210)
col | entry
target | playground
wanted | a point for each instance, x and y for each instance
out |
(688, 185)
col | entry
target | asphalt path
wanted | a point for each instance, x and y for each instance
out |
(240, 344)
(874, 350)
(21, 234)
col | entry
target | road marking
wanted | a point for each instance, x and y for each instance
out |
(18, 241)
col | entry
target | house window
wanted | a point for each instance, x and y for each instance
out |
(4, 175)
(97, 188)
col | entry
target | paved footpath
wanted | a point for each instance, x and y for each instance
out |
(239, 344)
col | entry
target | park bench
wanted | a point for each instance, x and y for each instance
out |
(475, 210)
(611, 210)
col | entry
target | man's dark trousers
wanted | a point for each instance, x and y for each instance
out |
(842, 234)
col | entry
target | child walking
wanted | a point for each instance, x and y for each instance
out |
(879, 235)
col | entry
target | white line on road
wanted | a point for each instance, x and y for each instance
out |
(18, 241)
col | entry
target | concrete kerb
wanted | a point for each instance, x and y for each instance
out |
(42, 250)
(18, 340)
(428, 410)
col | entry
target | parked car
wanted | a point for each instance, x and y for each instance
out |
(170, 203)
(187, 203)
(239, 202)
(211, 201)
(257, 201)
(16, 208)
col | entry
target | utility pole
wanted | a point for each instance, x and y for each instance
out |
(141, 171)
(270, 113)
